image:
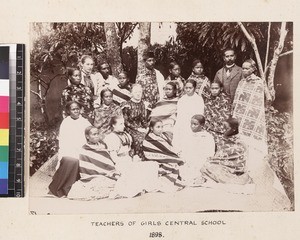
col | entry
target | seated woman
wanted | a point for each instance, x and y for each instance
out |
(96, 168)
(71, 139)
(78, 92)
(107, 110)
(134, 112)
(122, 91)
(166, 109)
(135, 176)
(175, 77)
(195, 151)
(217, 109)
(228, 165)
(157, 147)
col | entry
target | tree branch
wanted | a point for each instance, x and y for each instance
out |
(286, 53)
(268, 46)
(35, 93)
(258, 59)
(130, 31)
(277, 52)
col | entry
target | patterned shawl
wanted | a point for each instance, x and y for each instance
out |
(216, 111)
(103, 115)
(147, 79)
(249, 109)
(81, 94)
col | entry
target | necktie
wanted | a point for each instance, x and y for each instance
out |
(228, 70)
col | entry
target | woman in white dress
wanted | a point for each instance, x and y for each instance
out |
(71, 140)
(188, 105)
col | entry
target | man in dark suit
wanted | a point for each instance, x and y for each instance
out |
(230, 74)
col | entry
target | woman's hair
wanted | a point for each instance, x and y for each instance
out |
(172, 65)
(70, 71)
(252, 64)
(68, 105)
(174, 86)
(234, 126)
(193, 82)
(195, 62)
(152, 123)
(200, 118)
(123, 72)
(219, 83)
(87, 131)
(104, 91)
(114, 120)
(85, 57)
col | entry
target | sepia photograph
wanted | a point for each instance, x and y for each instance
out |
(161, 117)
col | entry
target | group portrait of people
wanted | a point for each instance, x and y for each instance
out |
(122, 139)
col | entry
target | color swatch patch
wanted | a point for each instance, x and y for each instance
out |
(4, 119)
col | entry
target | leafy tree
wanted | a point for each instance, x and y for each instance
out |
(57, 46)
(257, 40)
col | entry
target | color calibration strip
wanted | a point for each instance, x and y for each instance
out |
(4, 118)
(16, 143)
(16, 100)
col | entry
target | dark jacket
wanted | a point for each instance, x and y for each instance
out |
(230, 83)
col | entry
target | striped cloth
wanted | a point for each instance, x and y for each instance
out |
(121, 95)
(94, 162)
(159, 149)
(166, 111)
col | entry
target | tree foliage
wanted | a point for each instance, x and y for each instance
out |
(280, 146)
(206, 40)
(60, 45)
(43, 144)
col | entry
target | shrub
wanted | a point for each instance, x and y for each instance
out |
(280, 144)
(43, 144)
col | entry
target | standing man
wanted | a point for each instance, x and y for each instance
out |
(230, 74)
(151, 80)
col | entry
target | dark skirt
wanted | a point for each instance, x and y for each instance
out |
(137, 142)
(65, 176)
